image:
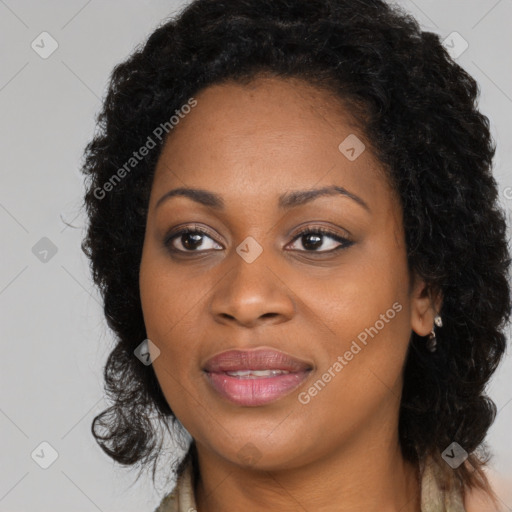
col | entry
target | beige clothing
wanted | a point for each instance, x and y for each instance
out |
(433, 497)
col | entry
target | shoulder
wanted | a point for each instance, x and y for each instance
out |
(477, 500)
(168, 503)
(440, 490)
(182, 498)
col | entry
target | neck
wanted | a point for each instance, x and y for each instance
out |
(368, 477)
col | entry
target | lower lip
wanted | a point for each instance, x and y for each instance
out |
(252, 392)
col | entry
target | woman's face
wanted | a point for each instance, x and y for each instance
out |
(341, 304)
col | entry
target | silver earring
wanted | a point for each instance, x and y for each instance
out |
(432, 340)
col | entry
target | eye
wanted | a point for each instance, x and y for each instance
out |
(190, 239)
(197, 239)
(313, 239)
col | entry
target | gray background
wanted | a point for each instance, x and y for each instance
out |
(54, 338)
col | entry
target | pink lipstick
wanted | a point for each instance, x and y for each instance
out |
(255, 377)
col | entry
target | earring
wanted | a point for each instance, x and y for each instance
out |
(432, 340)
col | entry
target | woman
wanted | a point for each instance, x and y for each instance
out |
(295, 229)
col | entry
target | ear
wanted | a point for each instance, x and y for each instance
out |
(425, 303)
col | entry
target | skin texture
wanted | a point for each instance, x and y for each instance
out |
(250, 144)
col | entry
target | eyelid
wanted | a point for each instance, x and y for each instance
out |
(321, 228)
(178, 230)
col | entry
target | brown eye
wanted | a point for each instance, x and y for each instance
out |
(313, 239)
(191, 240)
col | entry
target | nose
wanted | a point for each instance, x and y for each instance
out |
(252, 293)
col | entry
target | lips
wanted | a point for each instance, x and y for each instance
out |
(255, 377)
(262, 359)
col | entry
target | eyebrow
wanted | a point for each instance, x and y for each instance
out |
(286, 201)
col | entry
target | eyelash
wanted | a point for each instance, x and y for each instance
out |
(344, 242)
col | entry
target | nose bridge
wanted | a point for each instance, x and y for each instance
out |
(251, 289)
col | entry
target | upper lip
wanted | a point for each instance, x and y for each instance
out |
(256, 359)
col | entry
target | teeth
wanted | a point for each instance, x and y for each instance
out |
(257, 373)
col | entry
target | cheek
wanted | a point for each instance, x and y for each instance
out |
(171, 323)
(174, 304)
(360, 377)
(168, 304)
(358, 295)
(170, 299)
(367, 312)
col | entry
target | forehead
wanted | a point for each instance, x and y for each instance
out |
(258, 139)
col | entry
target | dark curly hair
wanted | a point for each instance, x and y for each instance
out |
(418, 109)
